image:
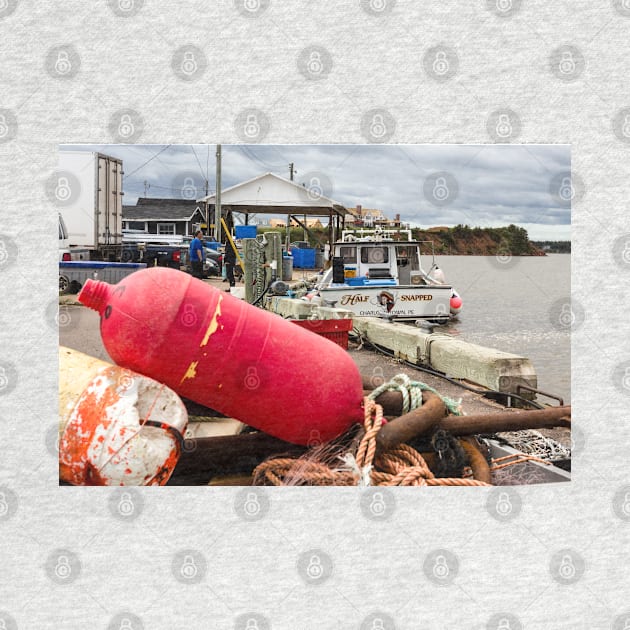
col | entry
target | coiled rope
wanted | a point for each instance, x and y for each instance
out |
(400, 466)
(412, 394)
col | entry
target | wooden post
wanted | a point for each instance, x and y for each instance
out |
(217, 198)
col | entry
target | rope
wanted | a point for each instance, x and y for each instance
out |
(412, 394)
(400, 466)
(517, 458)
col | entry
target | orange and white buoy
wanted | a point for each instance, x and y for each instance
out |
(116, 427)
(456, 302)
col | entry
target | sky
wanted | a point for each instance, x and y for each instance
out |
(428, 185)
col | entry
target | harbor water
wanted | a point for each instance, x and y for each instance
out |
(513, 305)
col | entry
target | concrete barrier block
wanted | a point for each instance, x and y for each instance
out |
(326, 312)
(403, 340)
(271, 303)
(491, 368)
(361, 323)
(290, 308)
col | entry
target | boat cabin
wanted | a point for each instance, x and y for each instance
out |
(377, 260)
(377, 276)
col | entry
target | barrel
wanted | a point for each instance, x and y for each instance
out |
(287, 268)
(319, 258)
(226, 354)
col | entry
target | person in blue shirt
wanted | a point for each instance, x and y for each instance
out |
(197, 255)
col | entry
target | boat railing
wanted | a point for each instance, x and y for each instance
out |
(374, 234)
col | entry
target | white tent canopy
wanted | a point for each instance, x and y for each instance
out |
(272, 194)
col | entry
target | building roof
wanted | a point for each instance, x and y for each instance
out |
(154, 209)
(271, 194)
(366, 212)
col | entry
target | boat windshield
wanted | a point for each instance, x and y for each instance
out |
(349, 254)
(407, 261)
(374, 254)
(407, 257)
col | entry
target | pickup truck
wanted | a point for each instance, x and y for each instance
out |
(174, 256)
(161, 255)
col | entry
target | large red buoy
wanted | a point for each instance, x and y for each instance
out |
(226, 354)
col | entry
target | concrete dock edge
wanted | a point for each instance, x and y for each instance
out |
(488, 367)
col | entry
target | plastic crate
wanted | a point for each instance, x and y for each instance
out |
(334, 329)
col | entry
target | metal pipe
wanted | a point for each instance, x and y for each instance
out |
(508, 421)
(478, 464)
(417, 422)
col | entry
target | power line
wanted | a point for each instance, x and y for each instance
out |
(252, 156)
(149, 160)
(198, 162)
(135, 185)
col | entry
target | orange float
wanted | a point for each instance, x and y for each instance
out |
(116, 427)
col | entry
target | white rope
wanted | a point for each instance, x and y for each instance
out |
(361, 475)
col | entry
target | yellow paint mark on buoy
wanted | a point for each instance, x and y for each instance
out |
(191, 372)
(214, 323)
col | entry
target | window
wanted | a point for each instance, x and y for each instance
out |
(349, 255)
(135, 225)
(166, 228)
(374, 255)
(407, 255)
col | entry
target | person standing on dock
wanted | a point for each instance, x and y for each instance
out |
(229, 260)
(197, 255)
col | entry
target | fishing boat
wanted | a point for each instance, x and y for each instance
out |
(380, 273)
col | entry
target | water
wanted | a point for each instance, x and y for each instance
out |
(510, 307)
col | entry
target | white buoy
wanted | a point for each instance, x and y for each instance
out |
(116, 427)
(438, 275)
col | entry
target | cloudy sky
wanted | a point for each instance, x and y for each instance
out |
(428, 185)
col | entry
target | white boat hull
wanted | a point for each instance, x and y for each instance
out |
(395, 302)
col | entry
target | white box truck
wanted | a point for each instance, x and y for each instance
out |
(92, 210)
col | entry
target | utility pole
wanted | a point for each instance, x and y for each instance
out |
(291, 170)
(146, 187)
(217, 198)
(207, 209)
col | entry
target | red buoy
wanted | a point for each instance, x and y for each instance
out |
(224, 353)
(456, 302)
